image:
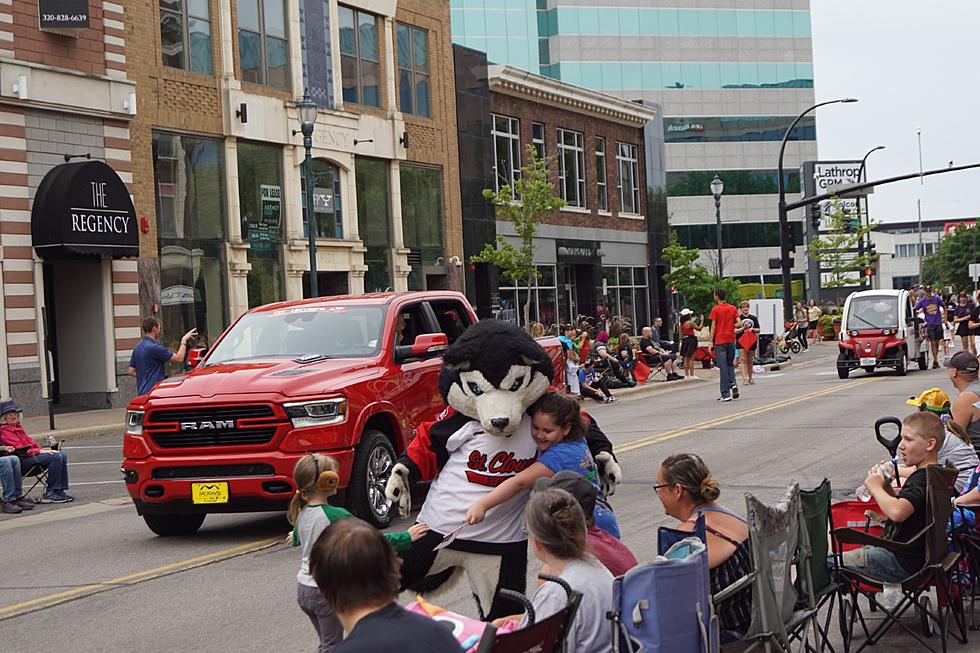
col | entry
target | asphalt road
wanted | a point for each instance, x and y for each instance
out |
(91, 577)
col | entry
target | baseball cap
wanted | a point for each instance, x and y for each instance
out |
(9, 407)
(933, 399)
(964, 361)
(573, 483)
(686, 311)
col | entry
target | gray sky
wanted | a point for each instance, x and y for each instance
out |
(913, 64)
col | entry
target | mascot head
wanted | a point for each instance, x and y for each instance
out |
(493, 373)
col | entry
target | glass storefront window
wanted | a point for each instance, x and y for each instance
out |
(374, 221)
(189, 187)
(329, 218)
(544, 298)
(626, 294)
(421, 191)
(260, 195)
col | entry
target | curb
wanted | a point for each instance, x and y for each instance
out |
(655, 387)
(79, 433)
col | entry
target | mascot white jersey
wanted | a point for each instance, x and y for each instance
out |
(490, 376)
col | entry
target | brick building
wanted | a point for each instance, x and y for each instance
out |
(593, 256)
(68, 231)
(219, 156)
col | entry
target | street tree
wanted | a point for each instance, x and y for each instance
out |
(949, 265)
(834, 250)
(532, 197)
(694, 282)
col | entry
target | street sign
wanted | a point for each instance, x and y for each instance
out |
(975, 271)
(844, 190)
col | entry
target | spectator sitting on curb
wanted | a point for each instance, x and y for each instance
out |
(590, 383)
(357, 572)
(12, 434)
(610, 551)
(14, 500)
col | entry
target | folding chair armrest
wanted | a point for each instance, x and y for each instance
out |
(853, 536)
(734, 588)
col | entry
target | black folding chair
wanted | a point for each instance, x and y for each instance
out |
(545, 636)
(37, 471)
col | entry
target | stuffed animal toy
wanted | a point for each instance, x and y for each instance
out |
(490, 377)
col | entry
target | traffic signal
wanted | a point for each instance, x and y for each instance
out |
(869, 271)
(816, 215)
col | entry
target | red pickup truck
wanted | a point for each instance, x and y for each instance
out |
(350, 376)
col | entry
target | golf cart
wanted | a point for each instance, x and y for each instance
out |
(879, 328)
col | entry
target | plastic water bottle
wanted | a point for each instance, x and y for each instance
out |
(863, 493)
(51, 442)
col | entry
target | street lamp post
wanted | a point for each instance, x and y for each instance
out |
(862, 176)
(717, 188)
(784, 236)
(307, 110)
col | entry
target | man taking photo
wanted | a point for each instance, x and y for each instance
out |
(149, 360)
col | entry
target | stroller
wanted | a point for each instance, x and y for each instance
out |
(790, 340)
(545, 636)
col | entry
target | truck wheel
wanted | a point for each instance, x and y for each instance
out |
(901, 368)
(175, 524)
(843, 372)
(373, 460)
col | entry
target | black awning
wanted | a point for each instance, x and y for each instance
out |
(84, 209)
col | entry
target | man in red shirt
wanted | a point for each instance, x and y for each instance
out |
(723, 317)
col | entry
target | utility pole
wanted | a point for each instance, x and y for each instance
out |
(918, 133)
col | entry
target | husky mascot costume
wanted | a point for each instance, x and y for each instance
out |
(490, 376)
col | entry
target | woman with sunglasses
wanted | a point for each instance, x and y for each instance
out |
(687, 489)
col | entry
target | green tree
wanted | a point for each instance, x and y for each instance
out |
(950, 264)
(532, 197)
(834, 252)
(692, 280)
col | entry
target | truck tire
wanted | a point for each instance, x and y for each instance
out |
(901, 369)
(373, 459)
(174, 524)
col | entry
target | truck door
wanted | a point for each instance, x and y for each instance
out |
(417, 392)
(450, 318)
(912, 341)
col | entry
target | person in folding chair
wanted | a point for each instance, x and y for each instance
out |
(658, 358)
(33, 458)
(687, 489)
(12, 501)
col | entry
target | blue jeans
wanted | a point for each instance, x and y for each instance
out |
(57, 466)
(873, 562)
(725, 357)
(10, 478)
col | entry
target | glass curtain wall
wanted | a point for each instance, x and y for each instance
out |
(189, 186)
(260, 195)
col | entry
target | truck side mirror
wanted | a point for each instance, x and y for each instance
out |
(195, 355)
(426, 346)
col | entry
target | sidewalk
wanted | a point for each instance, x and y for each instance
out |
(73, 426)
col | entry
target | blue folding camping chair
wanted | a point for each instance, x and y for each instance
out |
(665, 606)
(668, 537)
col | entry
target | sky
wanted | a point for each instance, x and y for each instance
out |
(913, 64)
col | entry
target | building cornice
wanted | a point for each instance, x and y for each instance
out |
(523, 84)
(39, 86)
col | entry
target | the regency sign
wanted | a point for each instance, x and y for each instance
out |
(84, 209)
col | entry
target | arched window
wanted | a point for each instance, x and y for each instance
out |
(327, 204)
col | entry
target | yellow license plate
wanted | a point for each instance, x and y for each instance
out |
(209, 492)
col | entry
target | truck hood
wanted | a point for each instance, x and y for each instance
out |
(282, 377)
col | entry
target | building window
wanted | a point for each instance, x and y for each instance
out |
(544, 298)
(421, 192)
(260, 196)
(374, 220)
(729, 129)
(571, 167)
(327, 204)
(189, 182)
(600, 173)
(506, 152)
(263, 50)
(359, 59)
(626, 294)
(911, 250)
(737, 182)
(629, 178)
(537, 138)
(413, 70)
(182, 28)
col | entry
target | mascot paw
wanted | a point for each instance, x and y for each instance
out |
(610, 473)
(397, 489)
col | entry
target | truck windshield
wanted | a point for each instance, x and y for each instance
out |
(872, 312)
(330, 331)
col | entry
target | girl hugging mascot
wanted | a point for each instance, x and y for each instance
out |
(490, 376)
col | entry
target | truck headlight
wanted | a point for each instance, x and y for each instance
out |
(321, 412)
(134, 422)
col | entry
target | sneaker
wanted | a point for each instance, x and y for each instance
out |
(24, 503)
(734, 392)
(10, 508)
(56, 497)
(727, 398)
(612, 400)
